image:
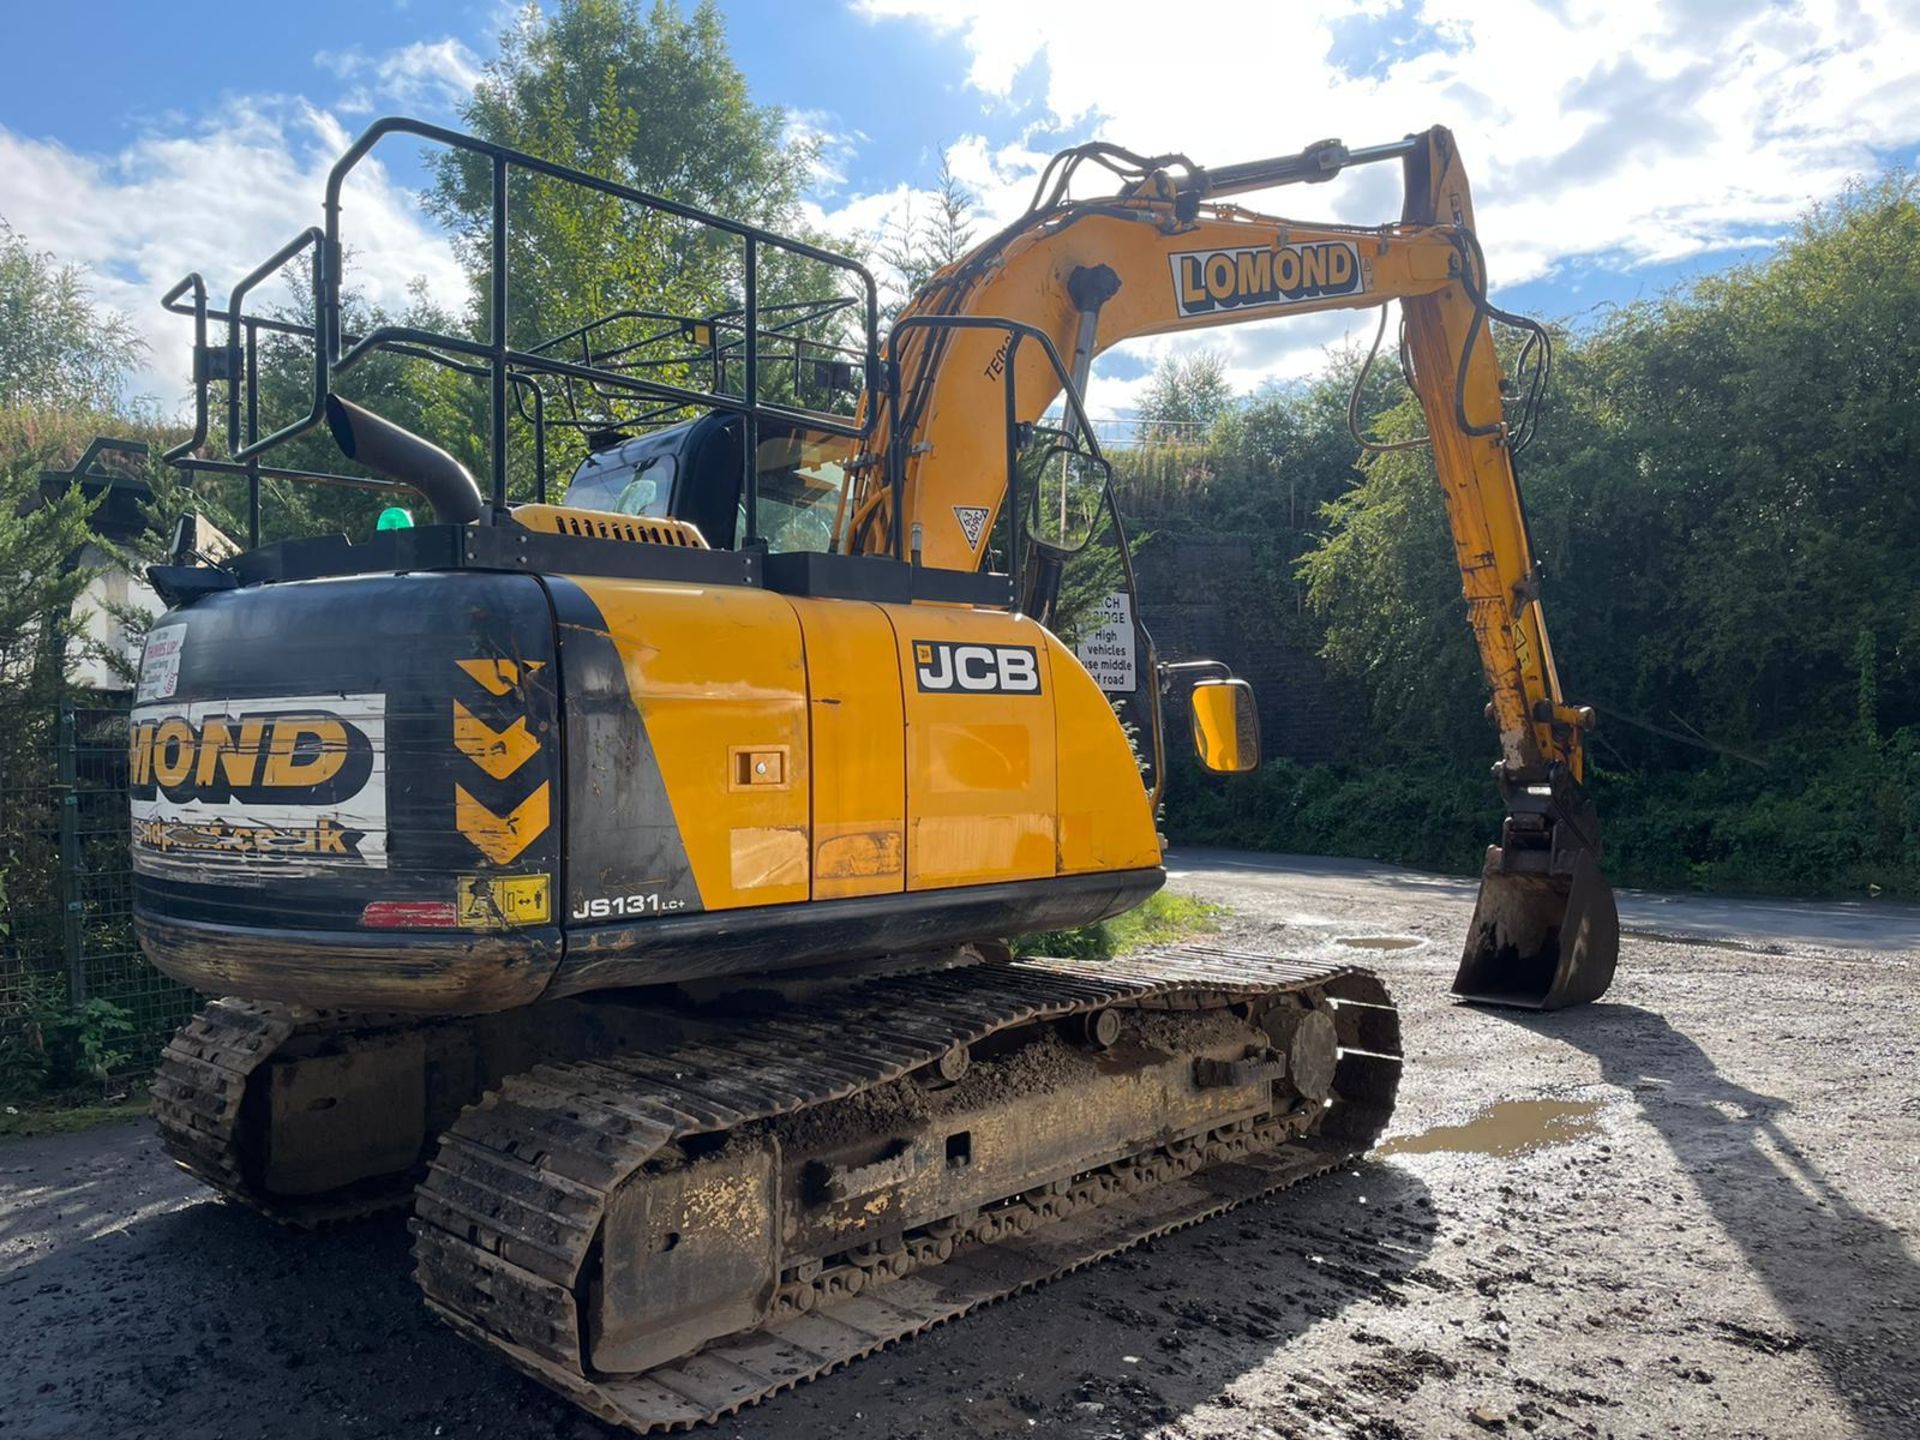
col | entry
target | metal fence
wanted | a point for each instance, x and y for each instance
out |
(66, 901)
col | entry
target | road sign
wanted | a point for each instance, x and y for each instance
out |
(1106, 646)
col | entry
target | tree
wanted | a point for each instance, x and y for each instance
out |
(36, 580)
(1720, 497)
(58, 351)
(63, 365)
(652, 101)
(915, 247)
(1186, 395)
(1721, 500)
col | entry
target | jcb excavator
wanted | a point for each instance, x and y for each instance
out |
(629, 880)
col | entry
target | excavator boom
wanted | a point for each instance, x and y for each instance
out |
(1169, 255)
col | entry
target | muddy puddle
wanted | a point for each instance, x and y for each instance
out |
(1511, 1127)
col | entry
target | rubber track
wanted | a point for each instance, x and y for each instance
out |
(197, 1096)
(508, 1215)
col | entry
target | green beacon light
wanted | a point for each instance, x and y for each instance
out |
(394, 518)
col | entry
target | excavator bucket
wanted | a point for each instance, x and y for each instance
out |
(1540, 941)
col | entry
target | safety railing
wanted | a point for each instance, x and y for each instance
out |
(748, 338)
(1018, 332)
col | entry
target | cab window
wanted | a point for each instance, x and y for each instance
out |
(649, 490)
(633, 479)
(802, 480)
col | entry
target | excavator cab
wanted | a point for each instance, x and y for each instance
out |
(692, 472)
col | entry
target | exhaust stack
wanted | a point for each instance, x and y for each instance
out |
(401, 456)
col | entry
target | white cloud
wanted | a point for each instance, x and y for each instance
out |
(1618, 132)
(427, 72)
(832, 148)
(218, 199)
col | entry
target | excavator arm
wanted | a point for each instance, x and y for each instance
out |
(1171, 253)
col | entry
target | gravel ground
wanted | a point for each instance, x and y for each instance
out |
(1702, 1221)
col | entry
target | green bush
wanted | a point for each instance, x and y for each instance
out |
(1821, 820)
(49, 1043)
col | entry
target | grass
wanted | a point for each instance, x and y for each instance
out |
(61, 1114)
(1163, 918)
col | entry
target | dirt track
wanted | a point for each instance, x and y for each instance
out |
(1718, 1234)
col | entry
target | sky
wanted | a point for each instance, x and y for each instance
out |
(1616, 147)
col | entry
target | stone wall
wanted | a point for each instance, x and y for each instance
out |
(1192, 609)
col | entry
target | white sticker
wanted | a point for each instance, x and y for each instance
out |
(973, 519)
(160, 663)
(1106, 645)
(271, 786)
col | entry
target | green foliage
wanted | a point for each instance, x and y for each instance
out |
(1186, 395)
(49, 1043)
(62, 373)
(915, 246)
(1722, 498)
(37, 582)
(1163, 918)
(57, 351)
(64, 366)
(1380, 580)
(651, 100)
(647, 97)
(1435, 817)
(1824, 821)
(60, 1116)
(1866, 659)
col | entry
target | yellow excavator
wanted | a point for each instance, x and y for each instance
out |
(629, 881)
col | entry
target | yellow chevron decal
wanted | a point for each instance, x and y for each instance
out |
(497, 677)
(498, 752)
(501, 837)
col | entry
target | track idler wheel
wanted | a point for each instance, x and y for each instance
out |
(1540, 941)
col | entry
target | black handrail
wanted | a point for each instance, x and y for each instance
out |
(1016, 332)
(500, 355)
(509, 372)
(235, 318)
(198, 311)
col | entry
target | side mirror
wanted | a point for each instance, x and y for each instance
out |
(186, 539)
(197, 540)
(1226, 726)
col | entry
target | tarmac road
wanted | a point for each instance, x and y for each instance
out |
(1875, 926)
(1703, 1219)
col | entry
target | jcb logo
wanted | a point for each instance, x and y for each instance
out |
(976, 669)
(290, 758)
(1209, 280)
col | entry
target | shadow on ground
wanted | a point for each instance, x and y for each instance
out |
(209, 1321)
(1830, 1267)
